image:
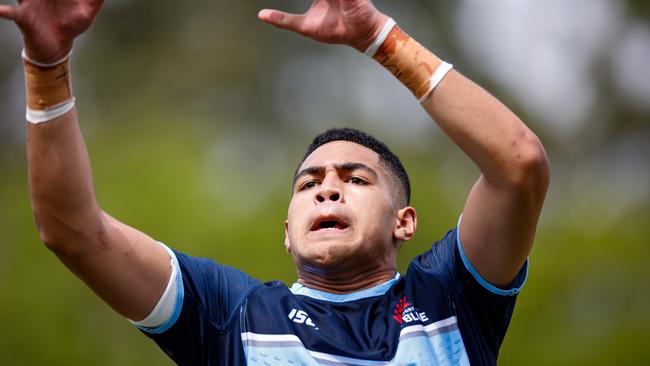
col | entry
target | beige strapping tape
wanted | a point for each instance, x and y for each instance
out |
(47, 87)
(408, 61)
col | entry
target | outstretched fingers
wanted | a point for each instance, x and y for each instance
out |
(8, 12)
(282, 20)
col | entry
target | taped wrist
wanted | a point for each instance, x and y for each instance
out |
(411, 63)
(49, 90)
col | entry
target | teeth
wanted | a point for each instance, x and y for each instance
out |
(331, 224)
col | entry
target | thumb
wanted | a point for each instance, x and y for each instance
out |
(7, 12)
(282, 20)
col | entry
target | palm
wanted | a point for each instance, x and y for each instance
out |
(351, 22)
(50, 26)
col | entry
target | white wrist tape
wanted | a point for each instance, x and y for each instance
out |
(385, 29)
(437, 76)
(36, 116)
(41, 64)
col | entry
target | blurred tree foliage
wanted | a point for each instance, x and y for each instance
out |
(192, 141)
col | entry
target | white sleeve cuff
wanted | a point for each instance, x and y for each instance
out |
(166, 307)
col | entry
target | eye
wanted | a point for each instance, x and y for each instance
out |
(308, 184)
(357, 180)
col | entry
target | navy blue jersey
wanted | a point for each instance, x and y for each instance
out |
(440, 313)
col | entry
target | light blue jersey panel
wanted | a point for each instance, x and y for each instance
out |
(436, 344)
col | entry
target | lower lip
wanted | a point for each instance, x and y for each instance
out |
(330, 230)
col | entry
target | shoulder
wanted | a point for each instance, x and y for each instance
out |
(438, 263)
(202, 273)
(212, 290)
(448, 264)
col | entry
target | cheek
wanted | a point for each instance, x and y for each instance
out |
(377, 216)
(295, 214)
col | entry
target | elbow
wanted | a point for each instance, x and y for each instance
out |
(531, 169)
(59, 243)
(51, 241)
(65, 239)
(48, 232)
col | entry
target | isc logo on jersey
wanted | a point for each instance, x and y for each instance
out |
(301, 317)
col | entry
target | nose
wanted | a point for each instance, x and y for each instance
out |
(328, 192)
(328, 196)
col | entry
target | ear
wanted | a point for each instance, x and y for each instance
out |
(405, 225)
(287, 242)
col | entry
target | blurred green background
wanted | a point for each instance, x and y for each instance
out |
(196, 114)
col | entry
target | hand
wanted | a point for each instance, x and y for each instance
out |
(49, 27)
(354, 23)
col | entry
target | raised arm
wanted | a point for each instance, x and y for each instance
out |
(501, 213)
(123, 266)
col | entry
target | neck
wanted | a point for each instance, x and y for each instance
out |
(344, 283)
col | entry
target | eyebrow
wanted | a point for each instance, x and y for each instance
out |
(318, 170)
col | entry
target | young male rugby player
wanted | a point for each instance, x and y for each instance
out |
(347, 218)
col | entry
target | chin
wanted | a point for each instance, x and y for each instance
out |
(330, 254)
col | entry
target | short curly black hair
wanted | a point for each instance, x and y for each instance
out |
(386, 156)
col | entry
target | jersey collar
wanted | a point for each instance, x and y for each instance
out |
(300, 289)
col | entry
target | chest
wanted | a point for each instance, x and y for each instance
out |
(398, 328)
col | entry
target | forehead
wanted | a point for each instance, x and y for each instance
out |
(338, 152)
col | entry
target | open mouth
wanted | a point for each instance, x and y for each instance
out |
(329, 224)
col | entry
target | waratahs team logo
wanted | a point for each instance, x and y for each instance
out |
(406, 313)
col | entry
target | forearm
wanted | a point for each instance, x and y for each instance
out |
(504, 149)
(61, 187)
(503, 207)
